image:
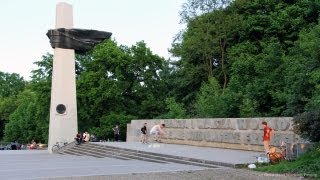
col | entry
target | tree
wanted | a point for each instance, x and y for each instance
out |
(195, 8)
(10, 86)
(120, 80)
(108, 121)
(213, 103)
(21, 126)
(175, 110)
(245, 46)
(7, 106)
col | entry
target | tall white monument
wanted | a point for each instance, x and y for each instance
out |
(63, 108)
(66, 41)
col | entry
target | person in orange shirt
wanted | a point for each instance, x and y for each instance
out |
(266, 136)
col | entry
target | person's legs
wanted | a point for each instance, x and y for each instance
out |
(158, 137)
(144, 138)
(154, 135)
(266, 145)
(116, 137)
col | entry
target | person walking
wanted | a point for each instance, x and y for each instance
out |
(116, 133)
(144, 137)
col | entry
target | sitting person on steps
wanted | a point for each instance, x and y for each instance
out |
(78, 138)
(33, 145)
(87, 138)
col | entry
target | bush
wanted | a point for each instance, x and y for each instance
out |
(307, 125)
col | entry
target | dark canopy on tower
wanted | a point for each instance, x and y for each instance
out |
(81, 40)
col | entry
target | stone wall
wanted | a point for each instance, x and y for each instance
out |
(233, 133)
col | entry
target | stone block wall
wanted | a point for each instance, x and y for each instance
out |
(233, 133)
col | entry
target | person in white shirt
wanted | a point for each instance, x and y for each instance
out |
(157, 132)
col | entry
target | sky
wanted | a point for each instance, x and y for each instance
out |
(24, 24)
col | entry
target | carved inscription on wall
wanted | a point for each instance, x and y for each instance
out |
(242, 131)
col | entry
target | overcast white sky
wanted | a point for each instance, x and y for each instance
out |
(24, 24)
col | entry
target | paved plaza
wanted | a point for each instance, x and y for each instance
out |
(39, 164)
(34, 164)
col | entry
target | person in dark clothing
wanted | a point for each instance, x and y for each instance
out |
(78, 138)
(144, 137)
(116, 133)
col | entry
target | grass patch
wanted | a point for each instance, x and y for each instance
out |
(307, 165)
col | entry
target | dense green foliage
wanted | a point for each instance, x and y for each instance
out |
(307, 125)
(240, 58)
(10, 86)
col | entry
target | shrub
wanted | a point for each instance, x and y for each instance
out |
(307, 125)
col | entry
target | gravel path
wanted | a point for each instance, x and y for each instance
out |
(219, 173)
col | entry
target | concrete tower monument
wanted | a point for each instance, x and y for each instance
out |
(63, 107)
(67, 41)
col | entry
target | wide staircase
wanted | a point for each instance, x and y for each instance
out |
(102, 151)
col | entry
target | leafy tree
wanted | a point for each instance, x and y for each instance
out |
(10, 84)
(195, 8)
(107, 122)
(200, 46)
(248, 108)
(7, 106)
(21, 123)
(301, 71)
(212, 102)
(44, 71)
(120, 79)
(175, 110)
(245, 46)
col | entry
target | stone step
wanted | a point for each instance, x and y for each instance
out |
(83, 153)
(107, 152)
(104, 153)
(142, 155)
(101, 151)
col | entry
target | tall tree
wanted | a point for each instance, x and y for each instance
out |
(120, 80)
(10, 86)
